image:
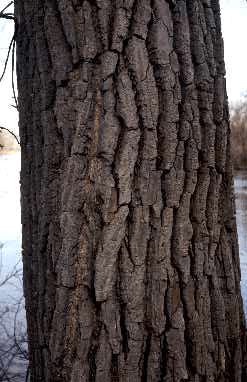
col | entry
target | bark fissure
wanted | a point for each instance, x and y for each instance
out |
(131, 265)
(145, 358)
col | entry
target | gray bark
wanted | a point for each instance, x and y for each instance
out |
(130, 253)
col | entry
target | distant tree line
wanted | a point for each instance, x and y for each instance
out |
(13, 334)
(239, 134)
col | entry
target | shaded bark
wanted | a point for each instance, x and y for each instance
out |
(130, 253)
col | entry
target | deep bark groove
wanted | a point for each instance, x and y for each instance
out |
(130, 254)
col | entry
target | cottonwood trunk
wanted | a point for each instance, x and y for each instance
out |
(130, 253)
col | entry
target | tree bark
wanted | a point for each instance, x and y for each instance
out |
(130, 252)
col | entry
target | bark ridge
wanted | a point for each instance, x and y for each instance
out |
(131, 264)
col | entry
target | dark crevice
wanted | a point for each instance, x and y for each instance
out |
(187, 332)
(173, 242)
(137, 167)
(92, 364)
(92, 292)
(163, 358)
(63, 83)
(145, 358)
(124, 329)
(122, 307)
(58, 16)
(112, 16)
(114, 368)
(132, 18)
(94, 345)
(127, 246)
(166, 311)
(96, 235)
(117, 153)
(172, 4)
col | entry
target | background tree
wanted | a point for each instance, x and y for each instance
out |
(131, 264)
(239, 134)
(13, 335)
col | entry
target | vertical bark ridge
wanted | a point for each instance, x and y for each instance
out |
(131, 267)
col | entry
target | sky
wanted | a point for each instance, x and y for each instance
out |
(234, 29)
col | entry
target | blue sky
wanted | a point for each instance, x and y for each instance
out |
(234, 29)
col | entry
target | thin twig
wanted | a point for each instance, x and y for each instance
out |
(7, 6)
(7, 59)
(10, 16)
(11, 132)
(13, 68)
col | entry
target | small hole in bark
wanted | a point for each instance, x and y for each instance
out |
(156, 69)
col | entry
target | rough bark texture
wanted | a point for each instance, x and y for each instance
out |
(131, 264)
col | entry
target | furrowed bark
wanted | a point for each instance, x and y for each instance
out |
(130, 253)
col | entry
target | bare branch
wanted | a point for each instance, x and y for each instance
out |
(13, 338)
(10, 16)
(14, 273)
(7, 6)
(12, 77)
(7, 58)
(11, 132)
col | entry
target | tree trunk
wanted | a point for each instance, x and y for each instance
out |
(130, 253)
